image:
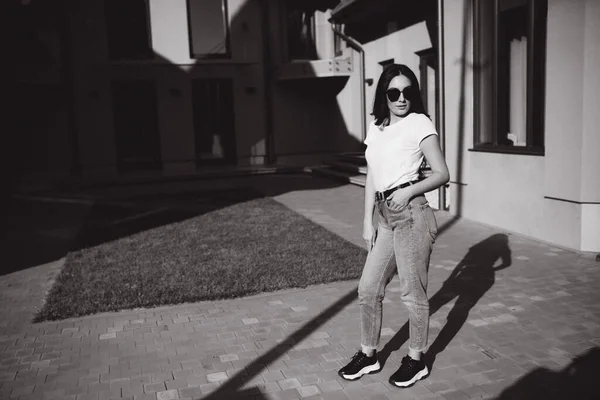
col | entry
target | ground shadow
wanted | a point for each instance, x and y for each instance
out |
(42, 230)
(469, 281)
(39, 232)
(232, 388)
(578, 380)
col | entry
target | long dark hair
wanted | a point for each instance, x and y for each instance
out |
(381, 112)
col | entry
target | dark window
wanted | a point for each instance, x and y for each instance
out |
(212, 100)
(128, 30)
(207, 20)
(135, 116)
(338, 48)
(301, 33)
(509, 85)
(387, 62)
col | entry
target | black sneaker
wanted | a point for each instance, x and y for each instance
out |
(409, 372)
(360, 365)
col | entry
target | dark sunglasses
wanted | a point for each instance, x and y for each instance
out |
(409, 93)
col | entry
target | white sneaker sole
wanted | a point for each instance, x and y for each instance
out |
(371, 369)
(420, 375)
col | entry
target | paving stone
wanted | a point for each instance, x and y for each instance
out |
(329, 386)
(539, 313)
(290, 394)
(167, 395)
(154, 387)
(455, 395)
(291, 383)
(308, 379)
(306, 391)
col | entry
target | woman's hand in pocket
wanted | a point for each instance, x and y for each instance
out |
(400, 198)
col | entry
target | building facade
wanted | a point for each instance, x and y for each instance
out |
(108, 88)
(174, 86)
(519, 98)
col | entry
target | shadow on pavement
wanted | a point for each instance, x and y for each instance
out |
(469, 281)
(41, 230)
(232, 388)
(579, 380)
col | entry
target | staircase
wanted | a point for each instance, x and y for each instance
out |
(345, 167)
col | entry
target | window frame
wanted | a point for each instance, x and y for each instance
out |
(536, 72)
(290, 54)
(338, 43)
(210, 56)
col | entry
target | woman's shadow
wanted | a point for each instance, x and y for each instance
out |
(469, 281)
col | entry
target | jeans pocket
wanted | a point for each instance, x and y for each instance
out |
(394, 206)
(430, 220)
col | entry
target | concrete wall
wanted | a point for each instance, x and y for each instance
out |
(173, 70)
(590, 160)
(402, 46)
(315, 116)
(554, 197)
(36, 142)
(308, 122)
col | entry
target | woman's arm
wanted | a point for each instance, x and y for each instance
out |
(368, 233)
(430, 146)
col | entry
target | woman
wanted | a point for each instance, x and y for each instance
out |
(397, 141)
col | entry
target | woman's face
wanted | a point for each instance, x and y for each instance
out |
(398, 96)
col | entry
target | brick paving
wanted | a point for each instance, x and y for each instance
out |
(509, 315)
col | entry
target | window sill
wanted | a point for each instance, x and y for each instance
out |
(307, 69)
(526, 151)
(209, 56)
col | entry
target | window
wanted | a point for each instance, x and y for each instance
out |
(510, 44)
(207, 22)
(387, 62)
(338, 48)
(301, 33)
(128, 30)
(135, 118)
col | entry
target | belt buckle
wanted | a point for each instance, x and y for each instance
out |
(378, 196)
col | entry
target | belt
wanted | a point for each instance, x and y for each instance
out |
(385, 194)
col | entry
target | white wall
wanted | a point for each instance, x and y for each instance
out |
(169, 25)
(572, 120)
(348, 103)
(458, 102)
(554, 197)
(590, 160)
(316, 116)
(401, 46)
(564, 99)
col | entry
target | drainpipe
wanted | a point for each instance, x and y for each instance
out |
(441, 91)
(356, 46)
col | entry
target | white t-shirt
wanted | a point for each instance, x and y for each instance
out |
(393, 154)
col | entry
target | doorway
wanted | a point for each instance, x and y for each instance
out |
(214, 128)
(136, 125)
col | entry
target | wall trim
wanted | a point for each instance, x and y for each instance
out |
(572, 201)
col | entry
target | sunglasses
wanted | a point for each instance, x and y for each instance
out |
(409, 93)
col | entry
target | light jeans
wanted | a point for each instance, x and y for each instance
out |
(405, 238)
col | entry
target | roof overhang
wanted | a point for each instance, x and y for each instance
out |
(321, 5)
(350, 11)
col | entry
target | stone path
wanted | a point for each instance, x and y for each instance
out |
(509, 315)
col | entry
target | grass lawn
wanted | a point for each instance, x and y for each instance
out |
(246, 246)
